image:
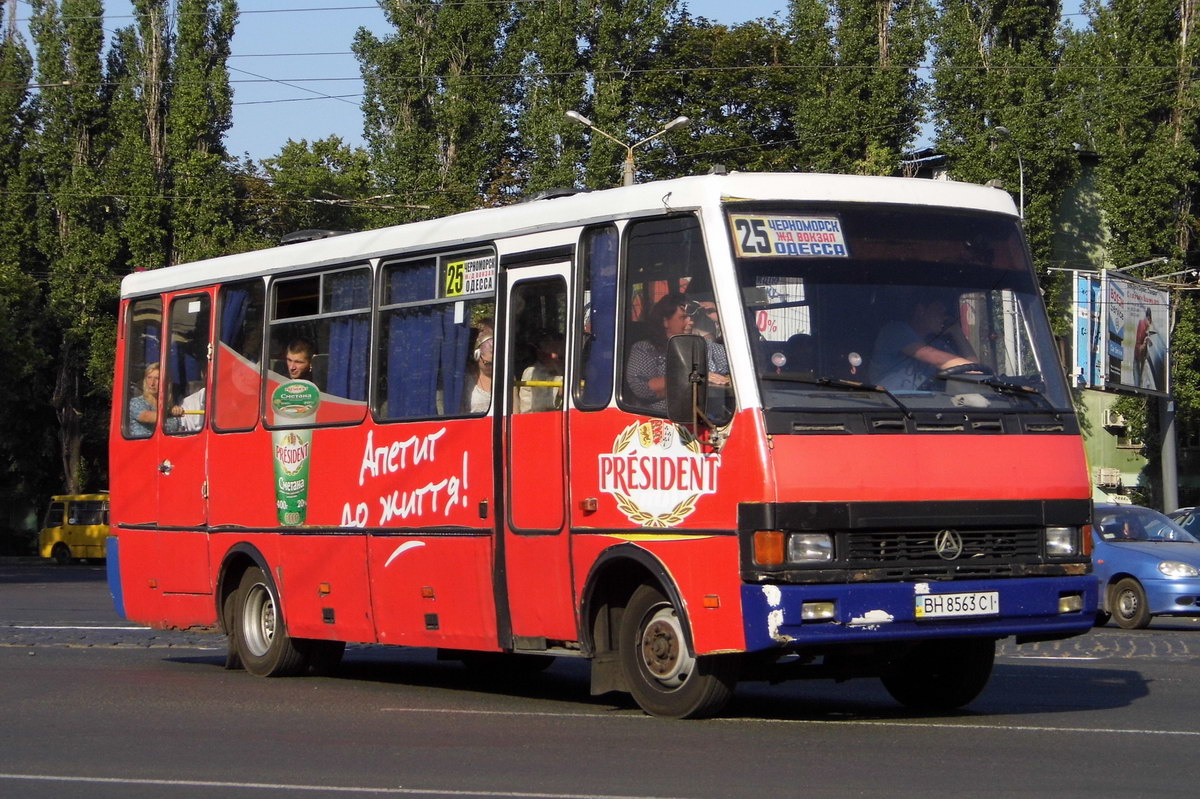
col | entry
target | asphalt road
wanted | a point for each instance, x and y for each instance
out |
(94, 707)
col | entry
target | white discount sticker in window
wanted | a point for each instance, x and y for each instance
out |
(473, 276)
(767, 235)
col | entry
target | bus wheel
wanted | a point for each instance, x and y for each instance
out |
(262, 639)
(1128, 605)
(941, 675)
(663, 675)
(61, 554)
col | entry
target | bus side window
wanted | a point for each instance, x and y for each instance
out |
(187, 365)
(598, 317)
(238, 378)
(320, 331)
(143, 373)
(436, 328)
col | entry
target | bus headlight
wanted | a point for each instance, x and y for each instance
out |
(1174, 569)
(810, 547)
(1062, 542)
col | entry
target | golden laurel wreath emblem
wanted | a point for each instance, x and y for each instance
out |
(685, 507)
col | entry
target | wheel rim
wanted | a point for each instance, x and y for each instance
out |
(258, 620)
(663, 648)
(1128, 604)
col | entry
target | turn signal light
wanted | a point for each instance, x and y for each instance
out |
(768, 547)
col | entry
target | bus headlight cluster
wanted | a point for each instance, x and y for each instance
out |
(774, 547)
(1062, 542)
(810, 547)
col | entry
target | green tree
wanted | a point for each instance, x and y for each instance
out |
(997, 66)
(199, 114)
(76, 239)
(323, 185)
(437, 123)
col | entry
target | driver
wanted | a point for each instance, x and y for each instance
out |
(908, 353)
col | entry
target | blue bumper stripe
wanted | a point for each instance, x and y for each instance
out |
(886, 611)
(112, 552)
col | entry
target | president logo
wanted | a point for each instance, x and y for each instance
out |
(656, 473)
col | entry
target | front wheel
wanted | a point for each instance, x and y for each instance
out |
(1127, 602)
(61, 554)
(941, 675)
(663, 675)
(263, 644)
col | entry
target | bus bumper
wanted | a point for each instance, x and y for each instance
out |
(1038, 607)
(113, 569)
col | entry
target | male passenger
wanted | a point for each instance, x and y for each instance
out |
(299, 359)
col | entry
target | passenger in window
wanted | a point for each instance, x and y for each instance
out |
(477, 397)
(143, 407)
(646, 366)
(190, 417)
(299, 358)
(706, 324)
(547, 369)
(909, 352)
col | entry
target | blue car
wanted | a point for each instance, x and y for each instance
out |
(1187, 518)
(1147, 566)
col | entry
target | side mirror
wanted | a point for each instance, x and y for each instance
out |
(687, 378)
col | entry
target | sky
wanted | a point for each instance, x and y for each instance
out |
(294, 75)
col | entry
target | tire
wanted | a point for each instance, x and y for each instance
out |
(1102, 617)
(61, 554)
(941, 675)
(663, 675)
(1127, 603)
(260, 631)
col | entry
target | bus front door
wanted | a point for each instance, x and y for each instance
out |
(183, 448)
(536, 546)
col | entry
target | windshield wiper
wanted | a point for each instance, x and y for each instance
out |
(1005, 387)
(845, 385)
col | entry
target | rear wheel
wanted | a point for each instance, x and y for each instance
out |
(61, 554)
(1127, 602)
(262, 640)
(663, 675)
(941, 675)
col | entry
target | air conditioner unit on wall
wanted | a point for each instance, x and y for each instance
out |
(1107, 478)
(1113, 420)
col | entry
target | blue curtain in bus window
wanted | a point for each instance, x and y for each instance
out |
(598, 372)
(348, 335)
(455, 339)
(414, 342)
(233, 316)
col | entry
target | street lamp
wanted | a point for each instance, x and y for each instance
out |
(1005, 133)
(629, 148)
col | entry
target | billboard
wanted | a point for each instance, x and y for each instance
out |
(1121, 336)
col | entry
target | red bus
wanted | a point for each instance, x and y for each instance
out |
(701, 430)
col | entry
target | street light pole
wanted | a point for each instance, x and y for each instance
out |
(628, 168)
(1005, 133)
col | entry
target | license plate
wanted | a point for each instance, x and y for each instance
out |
(941, 606)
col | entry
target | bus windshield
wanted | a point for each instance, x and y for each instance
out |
(868, 307)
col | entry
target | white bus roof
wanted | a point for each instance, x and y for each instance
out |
(524, 218)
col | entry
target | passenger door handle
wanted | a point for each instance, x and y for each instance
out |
(165, 467)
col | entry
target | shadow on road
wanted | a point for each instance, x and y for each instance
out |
(1024, 689)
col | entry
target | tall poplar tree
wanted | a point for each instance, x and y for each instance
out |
(199, 114)
(75, 238)
(997, 67)
(436, 122)
(552, 81)
(25, 413)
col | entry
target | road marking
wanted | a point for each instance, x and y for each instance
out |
(815, 722)
(268, 786)
(28, 627)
